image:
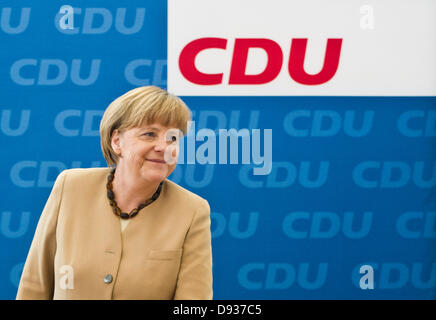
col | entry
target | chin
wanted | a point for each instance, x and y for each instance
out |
(156, 173)
(154, 177)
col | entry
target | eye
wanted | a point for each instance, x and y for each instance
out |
(174, 138)
(149, 134)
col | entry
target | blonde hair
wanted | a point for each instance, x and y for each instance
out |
(138, 107)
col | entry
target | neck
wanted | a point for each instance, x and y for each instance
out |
(130, 191)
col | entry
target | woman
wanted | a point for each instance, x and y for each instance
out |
(125, 232)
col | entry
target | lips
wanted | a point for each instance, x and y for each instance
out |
(157, 161)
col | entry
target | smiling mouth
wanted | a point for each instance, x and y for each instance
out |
(157, 161)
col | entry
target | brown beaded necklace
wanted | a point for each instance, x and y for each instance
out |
(114, 205)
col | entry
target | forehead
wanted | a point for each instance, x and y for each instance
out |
(154, 126)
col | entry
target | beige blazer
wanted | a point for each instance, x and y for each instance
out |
(79, 251)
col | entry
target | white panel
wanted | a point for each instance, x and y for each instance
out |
(395, 58)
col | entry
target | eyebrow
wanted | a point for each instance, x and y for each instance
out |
(150, 128)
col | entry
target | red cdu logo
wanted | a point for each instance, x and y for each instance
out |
(275, 57)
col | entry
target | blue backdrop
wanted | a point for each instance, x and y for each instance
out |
(353, 180)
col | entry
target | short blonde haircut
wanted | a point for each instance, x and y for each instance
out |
(138, 107)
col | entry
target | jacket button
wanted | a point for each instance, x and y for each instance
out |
(108, 278)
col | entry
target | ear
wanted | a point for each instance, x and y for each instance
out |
(115, 141)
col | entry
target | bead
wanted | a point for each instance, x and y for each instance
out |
(124, 215)
(110, 195)
(133, 214)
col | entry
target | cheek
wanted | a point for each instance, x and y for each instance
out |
(138, 151)
(135, 156)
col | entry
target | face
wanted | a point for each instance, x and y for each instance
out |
(149, 152)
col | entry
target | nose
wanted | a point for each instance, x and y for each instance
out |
(160, 144)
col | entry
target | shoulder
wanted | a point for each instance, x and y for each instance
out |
(180, 195)
(78, 173)
(83, 177)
